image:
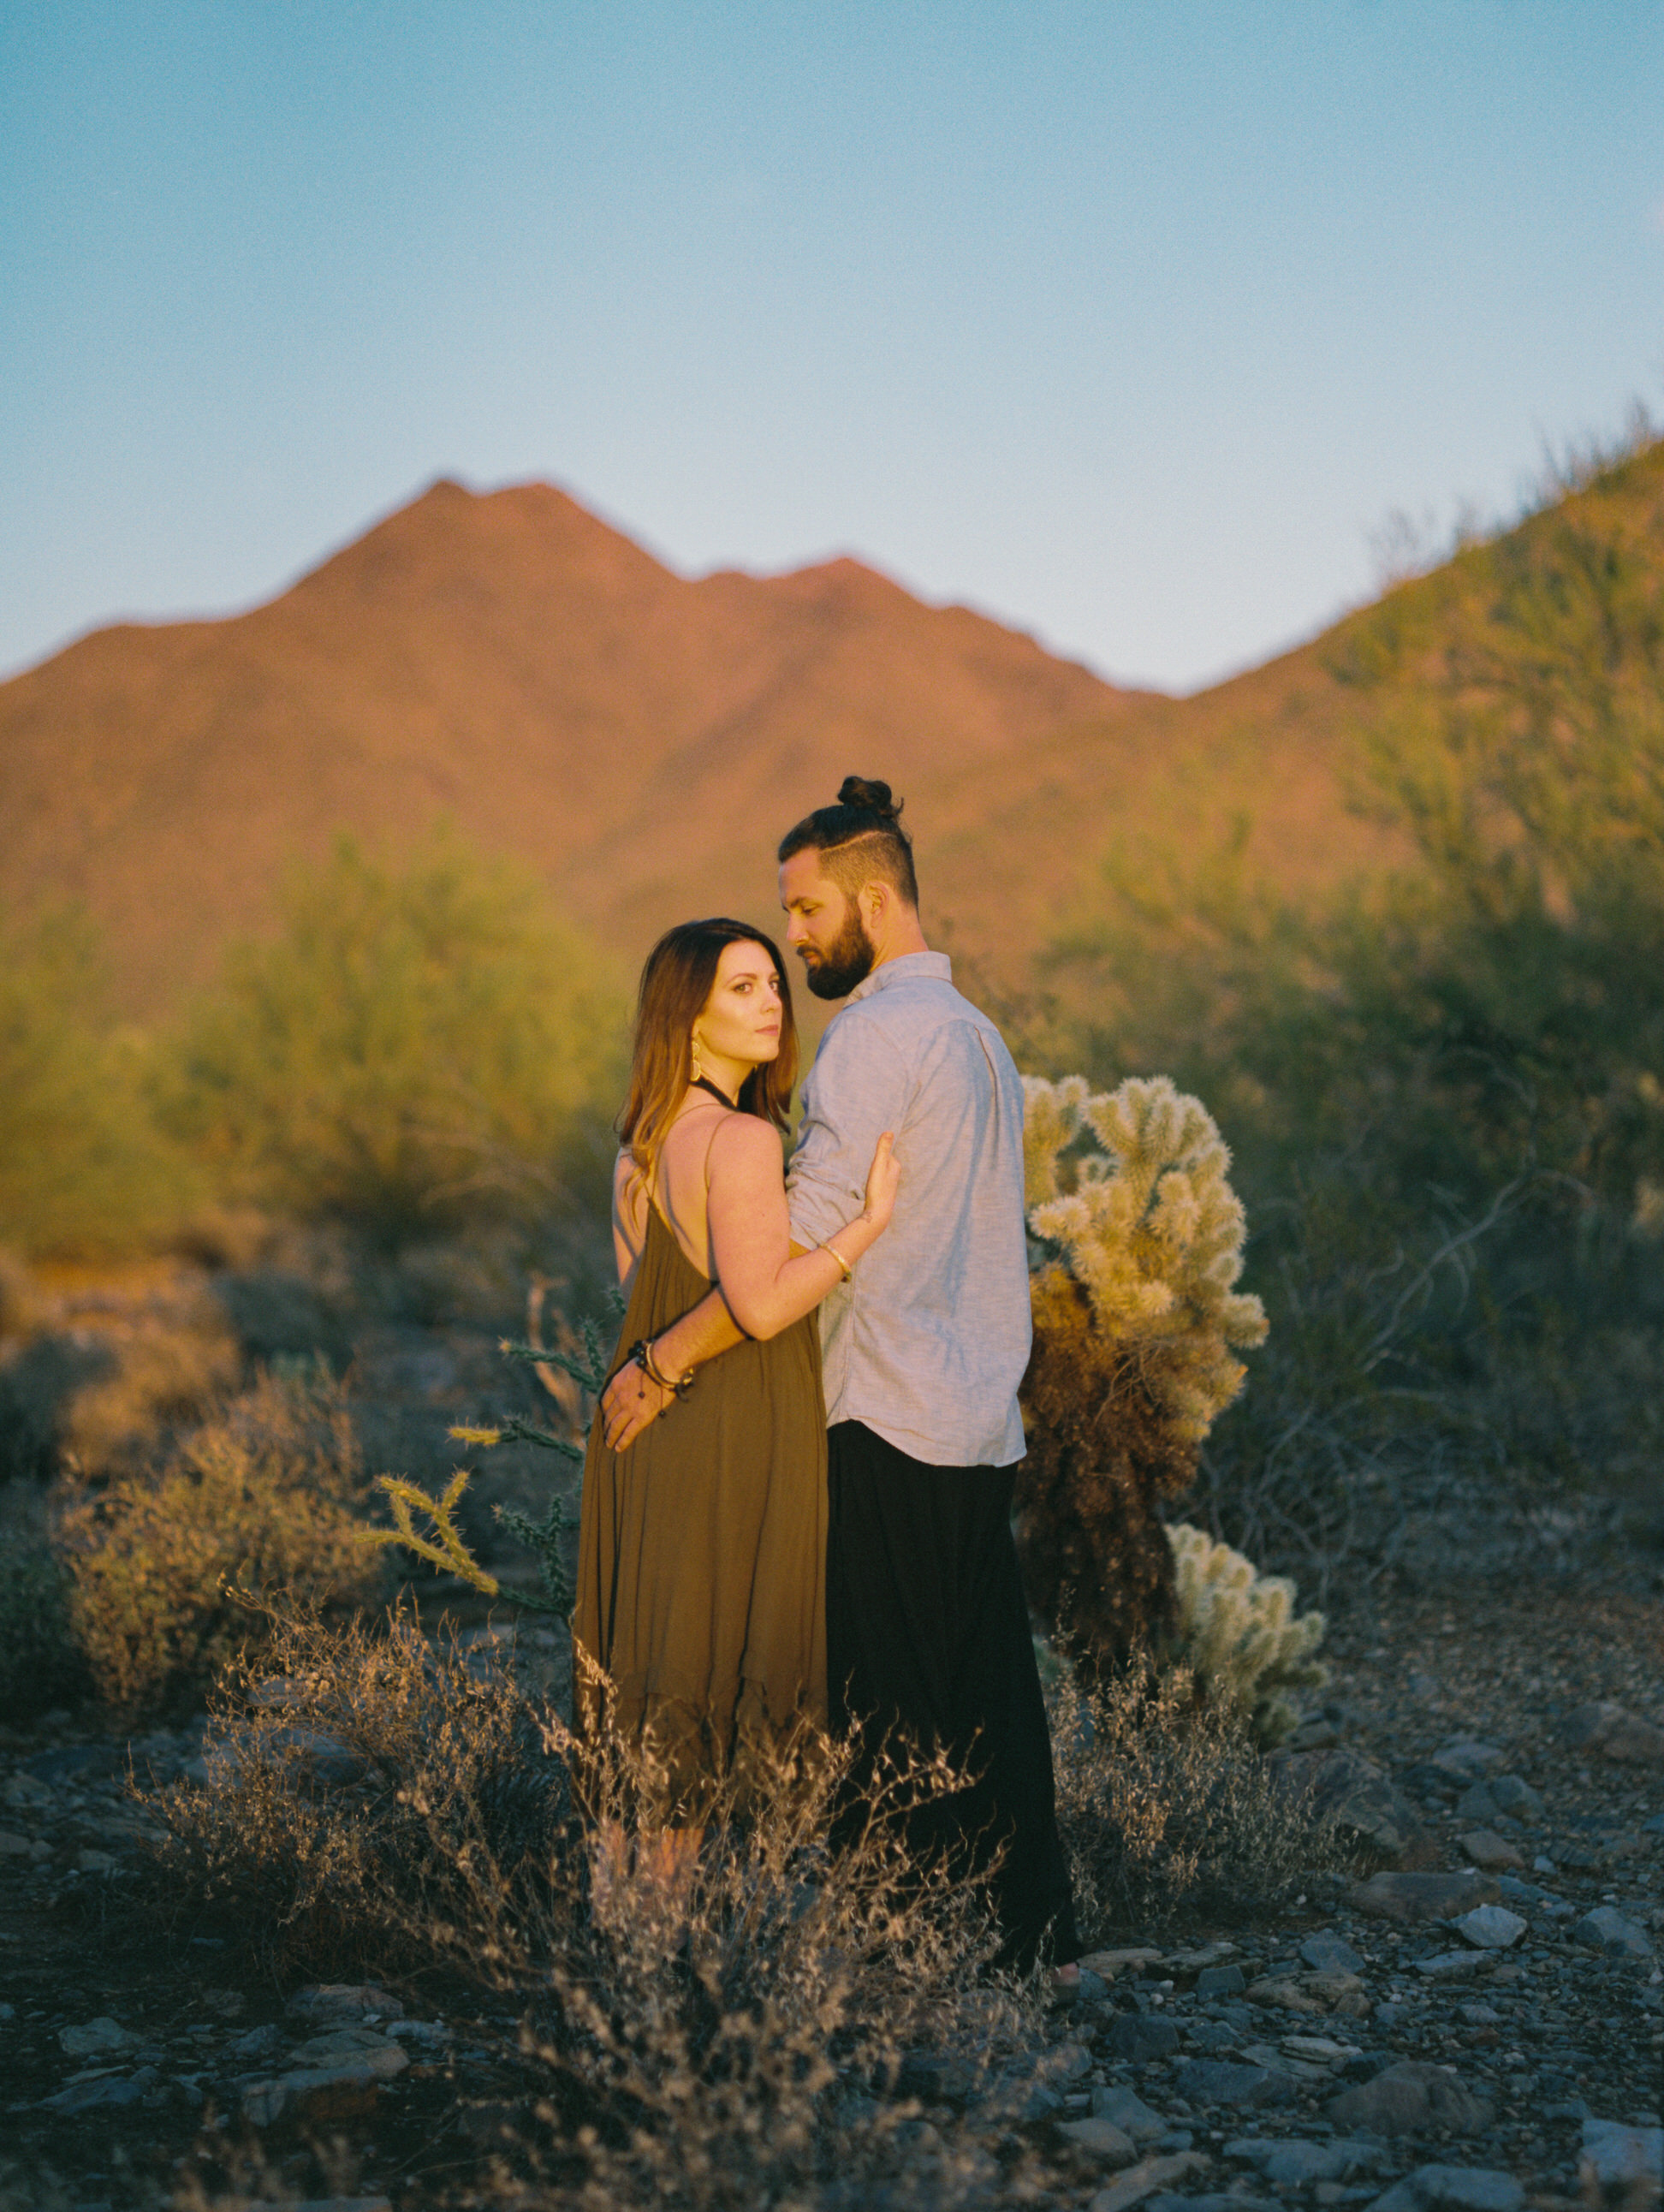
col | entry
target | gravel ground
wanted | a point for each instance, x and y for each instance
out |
(1481, 2024)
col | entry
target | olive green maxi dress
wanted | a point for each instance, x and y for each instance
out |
(701, 1556)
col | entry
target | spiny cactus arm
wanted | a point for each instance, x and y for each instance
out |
(450, 1554)
(543, 1537)
(589, 1372)
(1052, 1112)
(516, 1431)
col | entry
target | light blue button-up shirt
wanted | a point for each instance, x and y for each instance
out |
(928, 1345)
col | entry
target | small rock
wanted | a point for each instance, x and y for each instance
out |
(1220, 1982)
(13, 1846)
(1328, 1953)
(1099, 2139)
(1127, 2110)
(1356, 1795)
(1407, 2098)
(321, 2091)
(1655, 1826)
(1452, 2189)
(1033, 2088)
(1489, 1926)
(90, 1862)
(1144, 2178)
(1221, 2082)
(1615, 1734)
(1509, 1795)
(1109, 1964)
(95, 2037)
(107, 2089)
(1321, 2050)
(1449, 1966)
(1283, 1990)
(1489, 1850)
(1480, 2015)
(1294, 2163)
(330, 2001)
(256, 2043)
(1412, 1897)
(1622, 2159)
(1140, 2037)
(350, 2045)
(1466, 1757)
(1606, 1929)
(933, 2074)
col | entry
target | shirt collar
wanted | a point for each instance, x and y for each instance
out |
(910, 967)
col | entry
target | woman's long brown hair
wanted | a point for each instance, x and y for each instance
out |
(676, 983)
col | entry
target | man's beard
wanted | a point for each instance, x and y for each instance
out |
(835, 973)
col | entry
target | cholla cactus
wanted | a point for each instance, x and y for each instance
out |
(1136, 1320)
(1238, 1632)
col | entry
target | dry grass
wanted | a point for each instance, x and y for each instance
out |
(1168, 1811)
(265, 1494)
(732, 2037)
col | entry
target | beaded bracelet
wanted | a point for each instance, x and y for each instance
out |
(641, 1352)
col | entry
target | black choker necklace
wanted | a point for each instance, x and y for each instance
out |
(704, 1083)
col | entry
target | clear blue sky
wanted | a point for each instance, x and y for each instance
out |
(1128, 320)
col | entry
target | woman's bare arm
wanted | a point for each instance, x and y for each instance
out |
(781, 1281)
(768, 1287)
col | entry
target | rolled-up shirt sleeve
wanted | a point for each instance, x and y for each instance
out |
(858, 1088)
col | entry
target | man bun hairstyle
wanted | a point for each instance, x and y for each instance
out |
(859, 838)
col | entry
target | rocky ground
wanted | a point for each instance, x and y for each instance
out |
(1479, 2024)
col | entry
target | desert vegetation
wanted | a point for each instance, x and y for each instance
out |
(1441, 1082)
(1346, 1217)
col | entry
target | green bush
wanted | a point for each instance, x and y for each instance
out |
(266, 1495)
(422, 1041)
(1444, 1086)
(83, 1166)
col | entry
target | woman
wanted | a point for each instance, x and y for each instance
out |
(702, 1550)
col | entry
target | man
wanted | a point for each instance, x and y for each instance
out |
(924, 1348)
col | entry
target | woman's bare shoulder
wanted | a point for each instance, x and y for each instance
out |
(744, 1143)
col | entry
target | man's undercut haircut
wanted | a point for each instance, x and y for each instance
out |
(859, 840)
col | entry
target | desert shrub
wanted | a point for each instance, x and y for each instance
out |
(83, 1165)
(39, 1664)
(1442, 1084)
(1166, 1809)
(264, 1495)
(1135, 1316)
(1239, 1635)
(712, 2039)
(168, 1365)
(421, 1041)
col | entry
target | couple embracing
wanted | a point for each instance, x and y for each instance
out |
(797, 1494)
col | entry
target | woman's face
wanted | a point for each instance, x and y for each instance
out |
(742, 1019)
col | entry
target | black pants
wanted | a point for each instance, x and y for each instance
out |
(927, 1639)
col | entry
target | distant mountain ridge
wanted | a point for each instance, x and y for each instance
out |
(509, 662)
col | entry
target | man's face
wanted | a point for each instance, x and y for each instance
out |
(824, 927)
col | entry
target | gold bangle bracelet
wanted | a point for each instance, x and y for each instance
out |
(830, 1247)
